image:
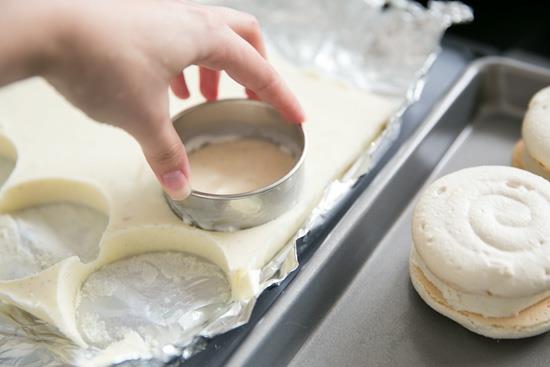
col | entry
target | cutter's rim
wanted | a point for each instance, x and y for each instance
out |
(270, 187)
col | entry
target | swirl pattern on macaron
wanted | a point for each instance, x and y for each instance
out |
(486, 230)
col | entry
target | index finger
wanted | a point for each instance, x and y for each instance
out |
(245, 25)
(245, 65)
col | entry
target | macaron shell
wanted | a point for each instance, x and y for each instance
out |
(484, 230)
(536, 127)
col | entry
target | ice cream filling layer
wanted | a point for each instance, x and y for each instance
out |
(483, 304)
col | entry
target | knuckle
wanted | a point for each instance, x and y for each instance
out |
(268, 84)
(252, 22)
(169, 155)
(212, 21)
(153, 120)
(220, 51)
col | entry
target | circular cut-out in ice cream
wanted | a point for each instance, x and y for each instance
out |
(37, 235)
(35, 238)
(157, 298)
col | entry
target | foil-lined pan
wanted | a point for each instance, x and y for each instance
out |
(385, 47)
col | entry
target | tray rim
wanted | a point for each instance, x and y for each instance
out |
(491, 105)
(365, 200)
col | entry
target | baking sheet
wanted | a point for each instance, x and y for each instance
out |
(280, 324)
(434, 20)
(379, 319)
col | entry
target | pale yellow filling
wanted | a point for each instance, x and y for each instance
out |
(483, 304)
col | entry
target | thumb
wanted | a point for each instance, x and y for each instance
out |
(166, 155)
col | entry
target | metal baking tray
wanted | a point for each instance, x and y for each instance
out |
(377, 319)
(223, 349)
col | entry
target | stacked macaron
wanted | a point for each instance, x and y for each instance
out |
(481, 250)
(533, 152)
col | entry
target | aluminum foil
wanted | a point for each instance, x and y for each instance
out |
(385, 47)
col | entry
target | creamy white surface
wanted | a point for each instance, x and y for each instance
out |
(64, 156)
(536, 127)
(238, 166)
(482, 304)
(485, 230)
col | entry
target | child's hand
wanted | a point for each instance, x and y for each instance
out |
(115, 60)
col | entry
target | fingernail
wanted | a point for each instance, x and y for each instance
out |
(176, 185)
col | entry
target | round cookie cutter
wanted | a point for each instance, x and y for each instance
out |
(230, 119)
